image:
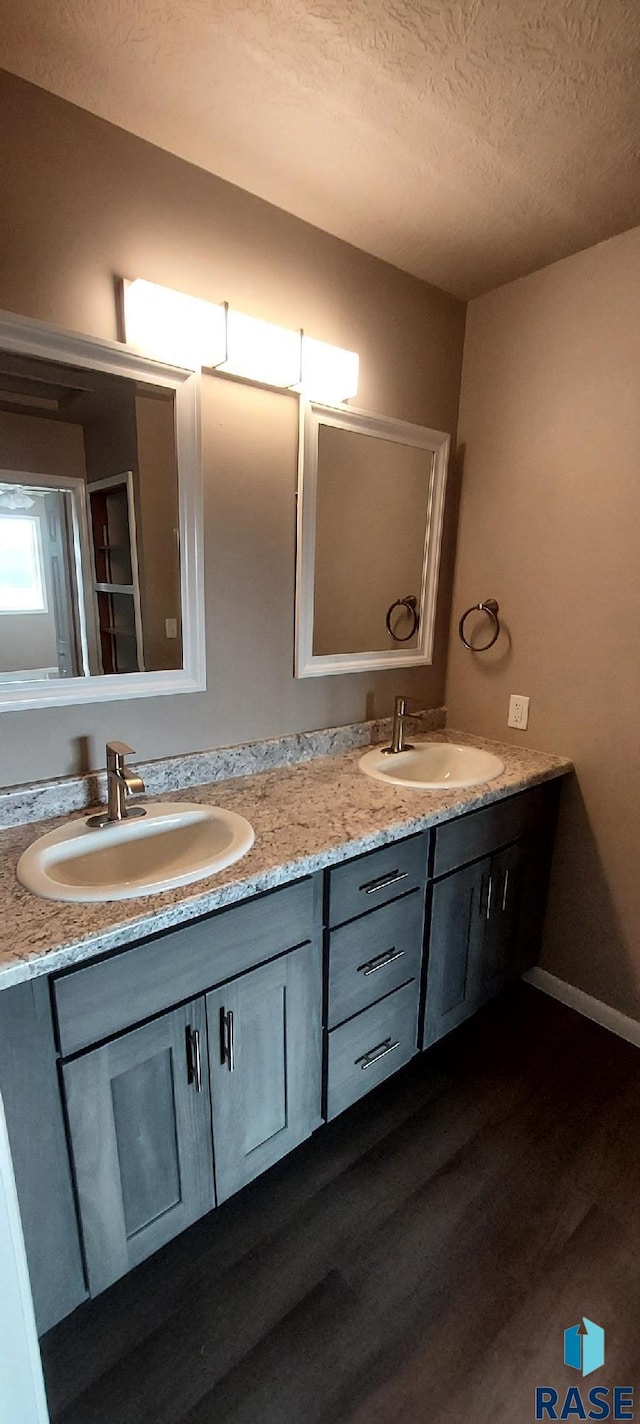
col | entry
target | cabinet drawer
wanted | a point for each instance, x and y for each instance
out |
(102, 999)
(373, 955)
(470, 837)
(376, 878)
(371, 1047)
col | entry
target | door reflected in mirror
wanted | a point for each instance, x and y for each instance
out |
(370, 508)
(89, 520)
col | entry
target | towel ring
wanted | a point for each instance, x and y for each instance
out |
(411, 603)
(491, 608)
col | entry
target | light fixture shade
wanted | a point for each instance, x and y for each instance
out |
(260, 351)
(15, 498)
(173, 327)
(329, 373)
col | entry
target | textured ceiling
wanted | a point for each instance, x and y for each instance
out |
(466, 142)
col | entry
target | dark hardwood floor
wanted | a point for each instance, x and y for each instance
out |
(418, 1260)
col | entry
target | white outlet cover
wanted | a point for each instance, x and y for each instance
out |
(518, 712)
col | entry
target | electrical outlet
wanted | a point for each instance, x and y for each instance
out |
(518, 711)
(171, 627)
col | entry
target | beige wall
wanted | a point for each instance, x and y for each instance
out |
(40, 446)
(85, 202)
(550, 526)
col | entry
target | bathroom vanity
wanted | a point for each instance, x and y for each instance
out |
(153, 1068)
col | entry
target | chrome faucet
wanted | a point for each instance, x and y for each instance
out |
(398, 743)
(122, 783)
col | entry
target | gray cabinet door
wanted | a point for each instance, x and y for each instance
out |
(265, 1064)
(486, 926)
(459, 911)
(140, 1125)
(519, 879)
(503, 897)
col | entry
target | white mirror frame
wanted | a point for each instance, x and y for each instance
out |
(312, 416)
(33, 338)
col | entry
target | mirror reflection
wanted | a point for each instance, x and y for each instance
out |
(370, 508)
(89, 553)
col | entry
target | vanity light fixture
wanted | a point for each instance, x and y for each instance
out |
(329, 373)
(187, 331)
(173, 327)
(259, 351)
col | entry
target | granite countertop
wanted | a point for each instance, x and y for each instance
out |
(306, 816)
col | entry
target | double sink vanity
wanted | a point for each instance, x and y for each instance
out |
(159, 1052)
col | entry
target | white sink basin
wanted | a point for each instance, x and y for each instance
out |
(433, 766)
(175, 843)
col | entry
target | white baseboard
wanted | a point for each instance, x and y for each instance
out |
(585, 1004)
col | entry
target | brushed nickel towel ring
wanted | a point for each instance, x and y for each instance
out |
(410, 603)
(489, 607)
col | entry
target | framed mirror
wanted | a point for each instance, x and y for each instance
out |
(370, 509)
(101, 585)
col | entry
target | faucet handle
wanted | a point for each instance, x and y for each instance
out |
(120, 749)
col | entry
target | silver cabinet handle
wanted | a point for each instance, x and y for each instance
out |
(373, 1055)
(384, 880)
(489, 895)
(371, 966)
(227, 1041)
(194, 1058)
(231, 1042)
(506, 890)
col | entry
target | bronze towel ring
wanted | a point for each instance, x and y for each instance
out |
(410, 603)
(489, 607)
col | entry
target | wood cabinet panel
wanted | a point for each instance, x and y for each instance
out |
(480, 832)
(33, 1109)
(455, 950)
(140, 1124)
(265, 1065)
(102, 999)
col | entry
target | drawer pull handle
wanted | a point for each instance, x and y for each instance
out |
(227, 1040)
(384, 880)
(380, 962)
(373, 1055)
(489, 895)
(505, 891)
(194, 1058)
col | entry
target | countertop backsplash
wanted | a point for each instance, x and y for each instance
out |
(38, 801)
